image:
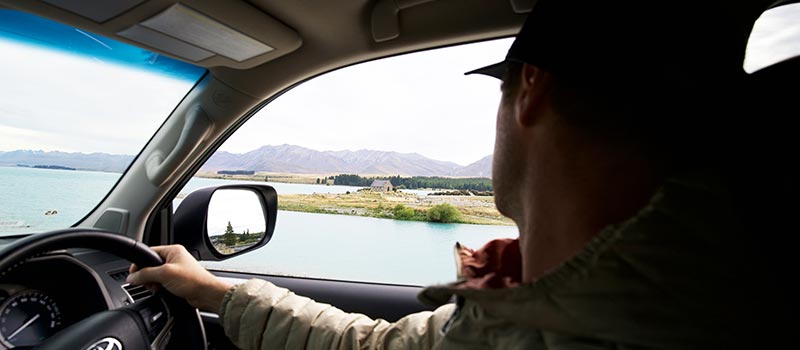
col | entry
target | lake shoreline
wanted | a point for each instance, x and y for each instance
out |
(398, 206)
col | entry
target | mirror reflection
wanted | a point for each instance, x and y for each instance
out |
(235, 220)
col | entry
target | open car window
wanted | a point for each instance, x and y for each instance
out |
(380, 168)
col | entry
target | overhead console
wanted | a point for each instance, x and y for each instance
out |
(237, 35)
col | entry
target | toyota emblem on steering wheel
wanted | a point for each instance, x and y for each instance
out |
(107, 343)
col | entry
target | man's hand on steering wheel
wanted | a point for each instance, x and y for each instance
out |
(182, 276)
(151, 322)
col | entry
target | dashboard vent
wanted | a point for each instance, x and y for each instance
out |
(136, 293)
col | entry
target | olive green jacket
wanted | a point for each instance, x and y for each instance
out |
(671, 277)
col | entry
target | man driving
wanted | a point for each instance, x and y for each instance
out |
(623, 233)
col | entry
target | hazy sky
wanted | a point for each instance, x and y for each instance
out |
(63, 102)
(418, 103)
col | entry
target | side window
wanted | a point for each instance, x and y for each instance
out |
(380, 169)
(775, 38)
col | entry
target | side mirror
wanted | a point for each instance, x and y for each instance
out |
(219, 222)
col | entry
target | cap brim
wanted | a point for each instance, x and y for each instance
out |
(496, 70)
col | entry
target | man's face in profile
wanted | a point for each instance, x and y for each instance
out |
(508, 156)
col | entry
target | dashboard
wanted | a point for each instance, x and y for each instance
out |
(48, 293)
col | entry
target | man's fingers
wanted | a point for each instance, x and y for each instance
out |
(169, 252)
(145, 275)
(161, 249)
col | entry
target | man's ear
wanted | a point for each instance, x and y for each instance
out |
(534, 86)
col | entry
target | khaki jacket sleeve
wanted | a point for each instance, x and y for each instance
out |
(260, 315)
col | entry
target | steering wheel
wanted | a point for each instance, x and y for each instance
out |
(149, 323)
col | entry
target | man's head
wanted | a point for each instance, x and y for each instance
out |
(624, 75)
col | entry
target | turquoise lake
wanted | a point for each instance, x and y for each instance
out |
(304, 244)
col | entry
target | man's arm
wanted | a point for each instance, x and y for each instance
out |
(260, 315)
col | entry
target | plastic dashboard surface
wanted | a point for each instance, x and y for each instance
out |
(51, 292)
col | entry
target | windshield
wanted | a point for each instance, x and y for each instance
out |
(75, 109)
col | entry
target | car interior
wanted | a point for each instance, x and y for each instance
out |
(254, 51)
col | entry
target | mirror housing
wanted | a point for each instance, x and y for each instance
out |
(190, 221)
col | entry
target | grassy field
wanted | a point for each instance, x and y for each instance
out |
(266, 176)
(472, 210)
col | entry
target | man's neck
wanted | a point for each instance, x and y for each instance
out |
(581, 190)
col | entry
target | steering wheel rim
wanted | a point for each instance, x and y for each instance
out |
(123, 247)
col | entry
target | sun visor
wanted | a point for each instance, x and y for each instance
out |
(192, 27)
(385, 18)
(227, 33)
(237, 36)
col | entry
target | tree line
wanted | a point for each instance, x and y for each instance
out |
(414, 182)
(231, 238)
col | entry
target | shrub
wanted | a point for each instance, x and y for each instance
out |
(402, 212)
(445, 213)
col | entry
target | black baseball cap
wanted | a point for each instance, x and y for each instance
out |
(631, 42)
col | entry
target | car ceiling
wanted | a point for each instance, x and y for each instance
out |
(329, 34)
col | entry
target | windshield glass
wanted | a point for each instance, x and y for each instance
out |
(75, 109)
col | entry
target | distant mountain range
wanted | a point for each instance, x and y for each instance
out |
(296, 159)
(480, 168)
(283, 158)
(82, 161)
